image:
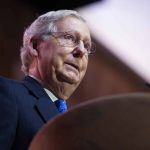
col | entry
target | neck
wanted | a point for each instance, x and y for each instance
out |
(62, 90)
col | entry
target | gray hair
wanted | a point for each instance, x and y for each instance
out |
(43, 25)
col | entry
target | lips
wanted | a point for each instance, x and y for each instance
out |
(73, 65)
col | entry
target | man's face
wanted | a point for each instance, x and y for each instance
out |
(59, 63)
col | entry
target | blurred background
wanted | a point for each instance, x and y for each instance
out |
(119, 28)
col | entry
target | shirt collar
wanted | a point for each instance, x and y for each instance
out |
(51, 95)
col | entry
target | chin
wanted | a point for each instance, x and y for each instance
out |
(71, 79)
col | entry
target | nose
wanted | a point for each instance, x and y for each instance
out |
(79, 50)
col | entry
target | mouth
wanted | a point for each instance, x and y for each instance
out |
(73, 65)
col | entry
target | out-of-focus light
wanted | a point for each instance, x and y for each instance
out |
(124, 28)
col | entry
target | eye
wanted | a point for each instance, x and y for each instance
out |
(69, 37)
(87, 46)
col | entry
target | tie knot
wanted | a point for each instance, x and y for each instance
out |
(61, 105)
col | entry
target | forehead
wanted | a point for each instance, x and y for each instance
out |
(75, 25)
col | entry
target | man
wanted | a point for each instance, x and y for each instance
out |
(54, 59)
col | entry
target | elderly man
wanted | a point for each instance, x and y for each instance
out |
(54, 59)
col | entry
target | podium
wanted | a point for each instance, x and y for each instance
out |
(110, 123)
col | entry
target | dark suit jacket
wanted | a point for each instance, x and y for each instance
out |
(24, 108)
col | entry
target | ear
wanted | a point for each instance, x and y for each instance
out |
(33, 46)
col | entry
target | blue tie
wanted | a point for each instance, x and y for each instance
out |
(61, 105)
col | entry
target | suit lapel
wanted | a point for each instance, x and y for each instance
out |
(44, 105)
(46, 108)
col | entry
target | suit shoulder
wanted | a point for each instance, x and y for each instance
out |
(8, 85)
(4, 80)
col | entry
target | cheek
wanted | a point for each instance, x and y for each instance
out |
(45, 61)
(59, 59)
